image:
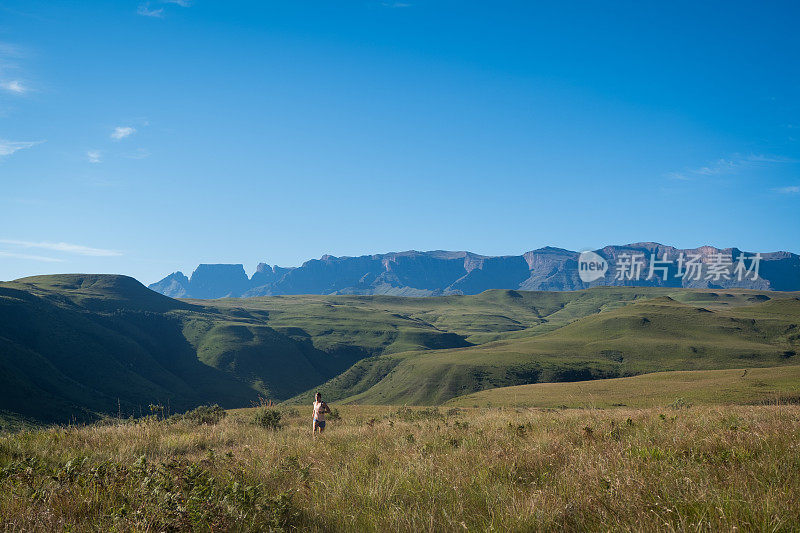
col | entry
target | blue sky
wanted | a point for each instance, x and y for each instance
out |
(147, 137)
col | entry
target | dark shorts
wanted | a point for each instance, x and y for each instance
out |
(319, 424)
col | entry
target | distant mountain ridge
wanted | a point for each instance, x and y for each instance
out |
(437, 273)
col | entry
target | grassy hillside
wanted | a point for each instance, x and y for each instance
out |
(60, 360)
(77, 345)
(646, 335)
(388, 469)
(777, 385)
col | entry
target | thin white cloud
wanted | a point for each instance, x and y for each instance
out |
(9, 147)
(40, 258)
(11, 70)
(146, 11)
(727, 166)
(720, 166)
(94, 156)
(120, 132)
(14, 86)
(63, 247)
(762, 158)
(10, 50)
(139, 153)
(677, 176)
(791, 189)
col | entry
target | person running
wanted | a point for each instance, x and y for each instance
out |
(320, 408)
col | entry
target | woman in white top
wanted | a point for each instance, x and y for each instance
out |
(320, 408)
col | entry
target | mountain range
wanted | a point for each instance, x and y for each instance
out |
(437, 273)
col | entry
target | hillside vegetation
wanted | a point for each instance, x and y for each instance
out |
(646, 335)
(776, 385)
(75, 346)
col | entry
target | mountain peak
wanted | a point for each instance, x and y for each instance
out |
(440, 272)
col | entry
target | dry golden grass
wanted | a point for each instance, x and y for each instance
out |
(387, 469)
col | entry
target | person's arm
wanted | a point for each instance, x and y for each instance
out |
(325, 407)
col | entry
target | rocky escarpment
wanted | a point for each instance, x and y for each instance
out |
(414, 273)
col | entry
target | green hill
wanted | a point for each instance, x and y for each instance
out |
(73, 346)
(657, 389)
(62, 358)
(646, 335)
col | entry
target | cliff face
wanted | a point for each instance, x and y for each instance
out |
(436, 273)
(207, 281)
(218, 281)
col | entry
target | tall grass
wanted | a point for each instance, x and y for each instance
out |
(387, 469)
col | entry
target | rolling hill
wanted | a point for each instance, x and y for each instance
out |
(677, 389)
(75, 346)
(727, 330)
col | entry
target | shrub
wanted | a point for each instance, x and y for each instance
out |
(411, 415)
(268, 418)
(680, 403)
(291, 413)
(453, 411)
(204, 414)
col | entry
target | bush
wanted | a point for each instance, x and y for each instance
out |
(268, 418)
(679, 404)
(204, 414)
(412, 415)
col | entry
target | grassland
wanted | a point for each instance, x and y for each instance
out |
(73, 347)
(721, 468)
(658, 389)
(630, 337)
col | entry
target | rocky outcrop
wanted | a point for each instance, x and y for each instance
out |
(176, 285)
(414, 273)
(207, 281)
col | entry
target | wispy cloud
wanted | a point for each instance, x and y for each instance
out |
(677, 176)
(11, 70)
(14, 86)
(146, 11)
(139, 153)
(65, 247)
(10, 50)
(791, 189)
(93, 156)
(120, 132)
(727, 165)
(40, 258)
(9, 147)
(720, 166)
(762, 158)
